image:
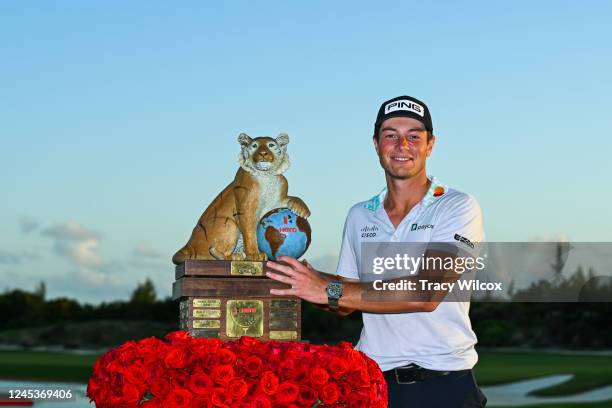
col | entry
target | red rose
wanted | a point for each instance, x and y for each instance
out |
(338, 367)
(248, 342)
(261, 401)
(152, 403)
(359, 378)
(161, 387)
(135, 374)
(318, 376)
(201, 401)
(287, 392)
(226, 356)
(253, 365)
(176, 357)
(307, 396)
(269, 383)
(330, 393)
(237, 389)
(131, 394)
(241, 404)
(286, 369)
(180, 378)
(150, 349)
(222, 374)
(200, 383)
(301, 375)
(220, 399)
(178, 337)
(359, 399)
(178, 398)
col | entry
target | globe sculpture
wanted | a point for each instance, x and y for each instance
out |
(281, 232)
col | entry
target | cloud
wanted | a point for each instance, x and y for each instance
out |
(70, 231)
(27, 224)
(143, 250)
(17, 257)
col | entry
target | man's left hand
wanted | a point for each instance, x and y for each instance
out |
(306, 283)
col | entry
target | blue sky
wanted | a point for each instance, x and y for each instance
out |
(119, 121)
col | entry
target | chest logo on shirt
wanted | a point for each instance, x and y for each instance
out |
(417, 227)
(369, 232)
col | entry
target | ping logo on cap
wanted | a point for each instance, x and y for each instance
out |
(405, 105)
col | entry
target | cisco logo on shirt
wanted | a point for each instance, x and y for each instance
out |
(369, 232)
(417, 227)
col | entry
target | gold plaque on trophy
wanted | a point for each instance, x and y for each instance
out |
(244, 318)
(246, 268)
(206, 313)
(206, 324)
(283, 335)
(206, 302)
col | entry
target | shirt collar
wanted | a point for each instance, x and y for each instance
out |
(436, 190)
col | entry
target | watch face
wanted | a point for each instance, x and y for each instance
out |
(334, 289)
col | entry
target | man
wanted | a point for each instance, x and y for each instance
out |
(425, 346)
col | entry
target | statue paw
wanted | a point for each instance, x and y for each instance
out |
(257, 256)
(298, 206)
(236, 256)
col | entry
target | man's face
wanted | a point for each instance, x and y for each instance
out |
(402, 147)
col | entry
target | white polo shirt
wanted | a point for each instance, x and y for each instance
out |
(438, 340)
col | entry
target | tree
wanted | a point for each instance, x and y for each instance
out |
(144, 293)
(558, 266)
(41, 290)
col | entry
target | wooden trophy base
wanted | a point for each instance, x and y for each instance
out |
(231, 299)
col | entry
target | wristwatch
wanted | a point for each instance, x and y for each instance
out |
(334, 293)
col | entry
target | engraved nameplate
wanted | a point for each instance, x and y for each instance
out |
(207, 303)
(283, 324)
(246, 268)
(207, 333)
(283, 314)
(206, 313)
(283, 303)
(283, 335)
(206, 324)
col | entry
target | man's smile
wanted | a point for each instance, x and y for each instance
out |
(401, 158)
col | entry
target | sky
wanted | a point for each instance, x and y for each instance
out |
(119, 121)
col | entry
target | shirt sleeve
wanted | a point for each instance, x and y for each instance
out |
(460, 223)
(347, 262)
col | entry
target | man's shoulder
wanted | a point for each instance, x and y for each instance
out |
(452, 196)
(455, 202)
(366, 207)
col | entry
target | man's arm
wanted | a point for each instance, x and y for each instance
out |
(342, 311)
(310, 285)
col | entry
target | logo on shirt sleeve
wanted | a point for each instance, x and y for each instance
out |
(464, 240)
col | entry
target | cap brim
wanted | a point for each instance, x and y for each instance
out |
(402, 114)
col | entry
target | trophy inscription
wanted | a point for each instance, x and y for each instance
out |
(244, 318)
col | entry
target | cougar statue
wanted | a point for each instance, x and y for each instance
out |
(258, 187)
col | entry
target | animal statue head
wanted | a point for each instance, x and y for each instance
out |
(263, 156)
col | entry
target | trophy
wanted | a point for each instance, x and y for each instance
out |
(219, 273)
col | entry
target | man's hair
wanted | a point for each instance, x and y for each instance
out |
(377, 136)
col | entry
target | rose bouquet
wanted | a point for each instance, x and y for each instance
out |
(181, 371)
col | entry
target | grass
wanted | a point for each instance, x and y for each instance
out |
(590, 372)
(46, 366)
(603, 404)
(493, 368)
